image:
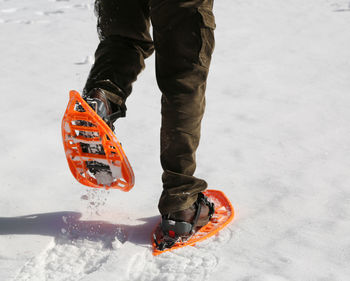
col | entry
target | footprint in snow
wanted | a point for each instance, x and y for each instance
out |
(55, 12)
(78, 249)
(65, 261)
(186, 264)
(86, 60)
(341, 6)
(9, 10)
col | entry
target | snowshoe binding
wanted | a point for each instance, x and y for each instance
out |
(172, 233)
(178, 227)
(94, 154)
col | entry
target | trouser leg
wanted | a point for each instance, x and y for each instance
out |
(125, 42)
(184, 41)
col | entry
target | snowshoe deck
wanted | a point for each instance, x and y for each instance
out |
(223, 215)
(94, 154)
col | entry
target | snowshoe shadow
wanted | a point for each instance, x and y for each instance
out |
(48, 224)
(67, 226)
(141, 234)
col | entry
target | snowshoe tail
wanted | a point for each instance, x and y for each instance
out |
(94, 154)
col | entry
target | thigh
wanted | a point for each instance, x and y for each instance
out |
(183, 33)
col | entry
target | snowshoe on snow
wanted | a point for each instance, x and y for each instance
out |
(193, 225)
(179, 226)
(94, 155)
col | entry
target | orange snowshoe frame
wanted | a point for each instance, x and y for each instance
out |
(224, 214)
(114, 156)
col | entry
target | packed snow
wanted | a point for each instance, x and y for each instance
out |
(275, 139)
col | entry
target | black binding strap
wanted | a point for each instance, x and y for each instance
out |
(179, 228)
(209, 204)
(114, 116)
(198, 211)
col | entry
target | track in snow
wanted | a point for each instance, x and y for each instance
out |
(96, 250)
(79, 247)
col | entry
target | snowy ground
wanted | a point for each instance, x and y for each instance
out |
(276, 140)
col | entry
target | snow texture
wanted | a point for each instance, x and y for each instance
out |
(275, 139)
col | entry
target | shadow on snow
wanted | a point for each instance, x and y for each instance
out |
(68, 226)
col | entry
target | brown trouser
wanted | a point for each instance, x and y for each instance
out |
(183, 40)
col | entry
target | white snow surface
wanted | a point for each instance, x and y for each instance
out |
(275, 139)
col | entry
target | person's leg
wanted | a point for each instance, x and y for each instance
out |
(123, 28)
(184, 41)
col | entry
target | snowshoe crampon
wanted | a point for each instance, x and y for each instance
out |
(95, 156)
(222, 216)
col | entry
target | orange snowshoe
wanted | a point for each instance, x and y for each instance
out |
(167, 238)
(94, 154)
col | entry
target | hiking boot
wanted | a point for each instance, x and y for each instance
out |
(109, 112)
(184, 223)
(98, 100)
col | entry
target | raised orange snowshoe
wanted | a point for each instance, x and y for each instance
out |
(94, 154)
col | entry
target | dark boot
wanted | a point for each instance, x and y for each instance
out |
(99, 100)
(184, 223)
(180, 226)
(189, 214)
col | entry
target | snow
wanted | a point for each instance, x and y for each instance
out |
(275, 139)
